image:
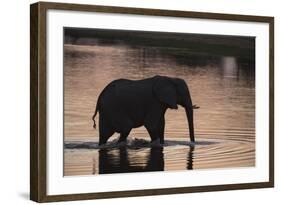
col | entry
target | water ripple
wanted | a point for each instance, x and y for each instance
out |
(139, 155)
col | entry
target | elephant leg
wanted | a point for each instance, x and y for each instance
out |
(161, 130)
(153, 133)
(124, 135)
(153, 130)
(157, 132)
(105, 130)
(155, 124)
(124, 126)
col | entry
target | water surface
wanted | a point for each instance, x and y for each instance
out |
(223, 87)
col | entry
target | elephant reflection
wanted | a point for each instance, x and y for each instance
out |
(117, 161)
(120, 161)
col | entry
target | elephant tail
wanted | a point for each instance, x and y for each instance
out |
(93, 118)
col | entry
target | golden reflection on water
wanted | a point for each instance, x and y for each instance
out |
(224, 90)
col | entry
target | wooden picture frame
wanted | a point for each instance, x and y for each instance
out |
(38, 101)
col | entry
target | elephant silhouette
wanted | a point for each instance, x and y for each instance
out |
(126, 104)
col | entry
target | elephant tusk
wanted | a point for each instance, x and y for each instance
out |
(195, 107)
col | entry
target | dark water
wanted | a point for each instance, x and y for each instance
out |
(223, 87)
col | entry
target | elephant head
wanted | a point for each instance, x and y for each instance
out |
(173, 92)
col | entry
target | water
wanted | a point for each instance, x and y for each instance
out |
(223, 87)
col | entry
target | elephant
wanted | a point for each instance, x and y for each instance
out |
(126, 104)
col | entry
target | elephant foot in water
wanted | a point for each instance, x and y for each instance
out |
(122, 143)
(156, 143)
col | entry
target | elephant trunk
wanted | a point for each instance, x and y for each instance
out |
(189, 116)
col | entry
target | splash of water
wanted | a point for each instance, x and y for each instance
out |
(132, 143)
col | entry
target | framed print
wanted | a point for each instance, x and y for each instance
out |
(134, 102)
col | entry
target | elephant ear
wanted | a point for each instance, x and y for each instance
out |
(165, 92)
